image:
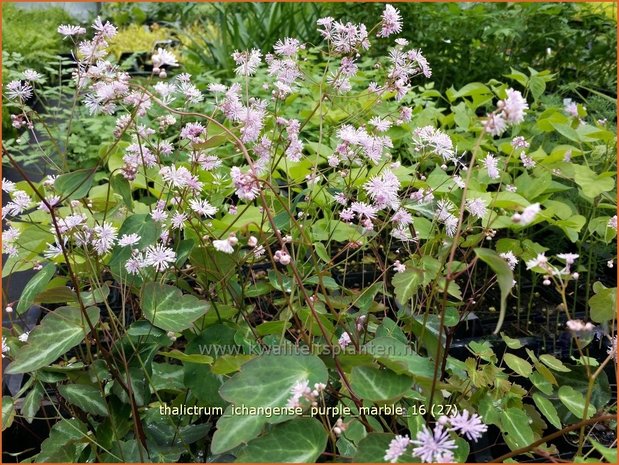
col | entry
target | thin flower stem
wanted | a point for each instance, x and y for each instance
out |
(556, 434)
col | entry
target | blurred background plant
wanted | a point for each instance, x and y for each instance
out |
(466, 42)
(478, 41)
(137, 38)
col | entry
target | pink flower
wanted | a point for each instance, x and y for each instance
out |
(164, 58)
(344, 340)
(397, 447)
(287, 47)
(391, 23)
(226, 245)
(399, 267)
(344, 38)
(383, 190)
(104, 238)
(435, 140)
(16, 90)
(528, 214)
(247, 186)
(193, 132)
(570, 107)
(477, 207)
(569, 258)
(514, 107)
(364, 210)
(247, 62)
(68, 30)
(159, 257)
(106, 30)
(491, 165)
(520, 143)
(510, 258)
(432, 445)
(129, 239)
(495, 124)
(540, 260)
(469, 425)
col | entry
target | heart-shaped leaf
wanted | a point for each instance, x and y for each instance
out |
(35, 286)
(266, 381)
(575, 401)
(167, 308)
(87, 398)
(75, 185)
(234, 430)
(296, 441)
(59, 331)
(375, 384)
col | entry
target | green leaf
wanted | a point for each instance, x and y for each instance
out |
(322, 253)
(603, 304)
(549, 410)
(355, 431)
(64, 443)
(8, 412)
(541, 383)
(127, 451)
(516, 428)
(95, 296)
(462, 451)
(415, 423)
(575, 401)
(376, 384)
(191, 358)
(609, 453)
(56, 295)
(87, 398)
(553, 363)
(590, 183)
(296, 441)
(537, 86)
(58, 332)
(122, 187)
(75, 185)
(519, 365)
(406, 283)
(505, 277)
(399, 357)
(271, 378)
(167, 308)
(32, 402)
(325, 229)
(142, 225)
(35, 286)
(234, 430)
(167, 377)
(567, 131)
(511, 342)
(518, 76)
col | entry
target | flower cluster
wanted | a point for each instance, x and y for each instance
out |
(437, 445)
(510, 111)
(301, 391)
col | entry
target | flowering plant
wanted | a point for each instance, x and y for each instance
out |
(301, 245)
